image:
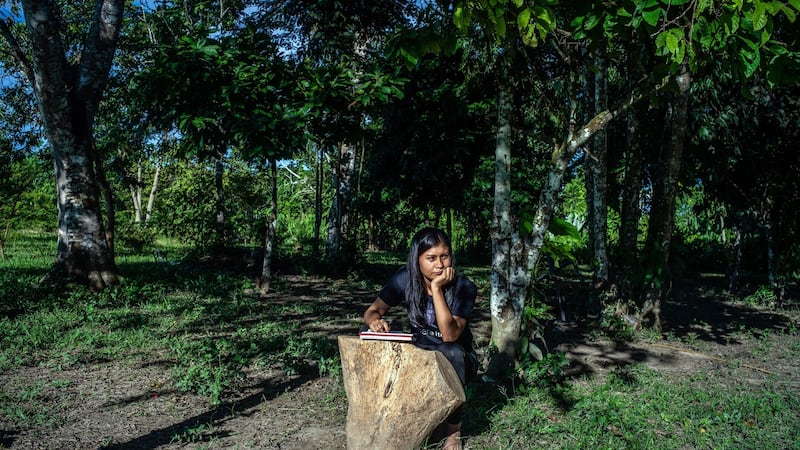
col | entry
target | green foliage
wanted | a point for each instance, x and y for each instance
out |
(531, 20)
(136, 237)
(27, 190)
(745, 34)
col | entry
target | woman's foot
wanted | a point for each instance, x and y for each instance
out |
(453, 440)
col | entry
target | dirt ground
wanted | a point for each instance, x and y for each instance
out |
(111, 406)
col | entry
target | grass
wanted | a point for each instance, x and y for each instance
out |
(639, 408)
(210, 334)
(209, 331)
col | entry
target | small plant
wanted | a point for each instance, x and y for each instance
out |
(764, 296)
(208, 366)
(545, 372)
(199, 432)
(617, 323)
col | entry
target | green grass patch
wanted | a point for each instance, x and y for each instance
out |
(640, 408)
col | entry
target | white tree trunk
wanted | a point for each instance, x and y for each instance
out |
(151, 199)
(68, 101)
(506, 309)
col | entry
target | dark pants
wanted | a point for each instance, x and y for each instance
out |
(466, 366)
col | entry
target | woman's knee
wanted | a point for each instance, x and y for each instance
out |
(452, 350)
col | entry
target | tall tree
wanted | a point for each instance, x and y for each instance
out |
(68, 90)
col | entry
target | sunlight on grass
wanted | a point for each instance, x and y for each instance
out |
(638, 407)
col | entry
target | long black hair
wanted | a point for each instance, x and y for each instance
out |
(416, 293)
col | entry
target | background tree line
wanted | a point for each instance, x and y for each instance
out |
(640, 139)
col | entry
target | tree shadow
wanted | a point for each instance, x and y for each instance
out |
(214, 417)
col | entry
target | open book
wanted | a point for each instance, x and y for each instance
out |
(390, 336)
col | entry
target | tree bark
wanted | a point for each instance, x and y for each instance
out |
(269, 238)
(397, 393)
(318, 200)
(339, 217)
(631, 210)
(219, 203)
(597, 186)
(506, 310)
(662, 218)
(136, 193)
(151, 199)
(68, 98)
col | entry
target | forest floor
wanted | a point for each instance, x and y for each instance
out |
(132, 403)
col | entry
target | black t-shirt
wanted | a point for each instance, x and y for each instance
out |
(465, 291)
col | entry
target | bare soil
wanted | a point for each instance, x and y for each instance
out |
(133, 405)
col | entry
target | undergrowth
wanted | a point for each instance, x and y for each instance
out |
(210, 332)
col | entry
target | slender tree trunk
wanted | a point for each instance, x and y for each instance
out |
(339, 217)
(136, 193)
(108, 198)
(631, 210)
(151, 199)
(68, 97)
(514, 261)
(598, 186)
(318, 199)
(525, 250)
(506, 310)
(219, 203)
(269, 238)
(662, 219)
(733, 279)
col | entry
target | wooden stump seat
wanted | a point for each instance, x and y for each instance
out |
(396, 393)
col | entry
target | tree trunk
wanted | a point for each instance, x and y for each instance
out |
(219, 203)
(631, 210)
(733, 280)
(151, 199)
(269, 238)
(339, 217)
(597, 186)
(506, 310)
(108, 198)
(662, 218)
(68, 98)
(136, 193)
(317, 200)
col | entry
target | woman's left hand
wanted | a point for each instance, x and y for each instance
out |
(447, 277)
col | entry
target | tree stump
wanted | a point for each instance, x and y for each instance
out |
(396, 393)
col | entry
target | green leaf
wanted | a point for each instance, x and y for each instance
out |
(591, 21)
(791, 16)
(500, 26)
(461, 17)
(759, 17)
(750, 61)
(652, 16)
(523, 19)
(672, 43)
